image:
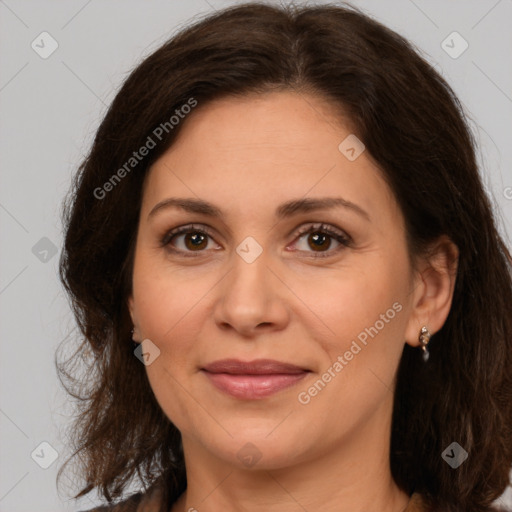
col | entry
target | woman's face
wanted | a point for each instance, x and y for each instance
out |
(247, 282)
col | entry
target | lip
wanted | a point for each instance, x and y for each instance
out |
(255, 367)
(253, 380)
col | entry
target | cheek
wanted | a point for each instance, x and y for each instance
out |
(366, 314)
(165, 299)
(170, 316)
(363, 303)
(168, 308)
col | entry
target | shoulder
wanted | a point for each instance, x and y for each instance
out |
(151, 501)
(129, 505)
(497, 508)
(419, 503)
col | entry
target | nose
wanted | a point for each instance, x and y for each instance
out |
(251, 298)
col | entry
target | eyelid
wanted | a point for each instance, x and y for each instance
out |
(180, 230)
(333, 232)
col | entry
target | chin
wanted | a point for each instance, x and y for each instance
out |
(254, 449)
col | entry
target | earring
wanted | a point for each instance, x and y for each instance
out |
(424, 337)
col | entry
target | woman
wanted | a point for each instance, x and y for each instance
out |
(283, 211)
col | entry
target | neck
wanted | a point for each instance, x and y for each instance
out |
(290, 491)
(353, 476)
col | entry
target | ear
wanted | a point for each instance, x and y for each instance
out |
(434, 283)
(131, 308)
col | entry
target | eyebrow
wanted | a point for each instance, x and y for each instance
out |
(283, 211)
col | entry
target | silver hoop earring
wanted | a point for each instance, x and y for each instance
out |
(424, 338)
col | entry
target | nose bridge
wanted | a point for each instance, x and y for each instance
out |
(249, 295)
(248, 276)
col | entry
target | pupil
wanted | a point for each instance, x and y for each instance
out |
(196, 239)
(319, 237)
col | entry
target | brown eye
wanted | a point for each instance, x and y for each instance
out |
(195, 240)
(187, 239)
(319, 239)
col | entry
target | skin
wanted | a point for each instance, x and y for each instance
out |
(247, 155)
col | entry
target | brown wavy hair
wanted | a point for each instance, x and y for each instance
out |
(415, 128)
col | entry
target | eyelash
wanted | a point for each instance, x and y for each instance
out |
(325, 229)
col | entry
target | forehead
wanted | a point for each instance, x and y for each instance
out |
(265, 149)
(287, 123)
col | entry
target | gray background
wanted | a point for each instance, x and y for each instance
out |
(50, 109)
